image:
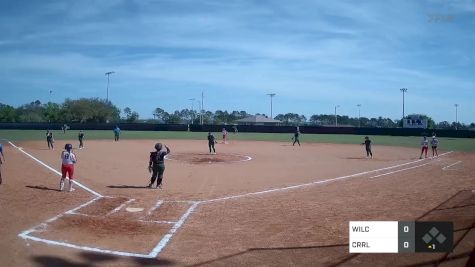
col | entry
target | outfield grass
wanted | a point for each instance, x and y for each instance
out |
(457, 144)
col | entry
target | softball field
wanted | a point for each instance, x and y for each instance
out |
(255, 203)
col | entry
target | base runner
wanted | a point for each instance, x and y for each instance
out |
(156, 165)
(67, 167)
(424, 146)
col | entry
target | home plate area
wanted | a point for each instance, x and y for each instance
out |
(116, 225)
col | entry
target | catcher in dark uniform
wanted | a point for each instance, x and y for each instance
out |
(156, 165)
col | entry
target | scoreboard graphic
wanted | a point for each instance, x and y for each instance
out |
(400, 236)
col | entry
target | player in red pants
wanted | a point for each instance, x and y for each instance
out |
(67, 168)
(424, 147)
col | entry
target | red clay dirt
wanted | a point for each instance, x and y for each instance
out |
(301, 226)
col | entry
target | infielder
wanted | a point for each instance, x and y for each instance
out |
(296, 138)
(156, 165)
(434, 142)
(116, 133)
(367, 144)
(81, 137)
(50, 139)
(211, 142)
(225, 136)
(67, 167)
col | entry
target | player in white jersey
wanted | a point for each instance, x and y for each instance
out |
(424, 146)
(434, 142)
(67, 167)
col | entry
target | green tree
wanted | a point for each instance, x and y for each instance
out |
(8, 114)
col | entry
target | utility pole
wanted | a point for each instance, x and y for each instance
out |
(192, 113)
(336, 117)
(108, 80)
(359, 115)
(456, 116)
(403, 90)
(202, 109)
(271, 96)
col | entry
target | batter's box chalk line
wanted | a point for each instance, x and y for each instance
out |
(30, 233)
(176, 225)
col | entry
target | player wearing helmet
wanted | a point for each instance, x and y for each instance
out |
(156, 164)
(67, 167)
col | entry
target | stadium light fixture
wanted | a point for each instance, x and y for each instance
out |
(108, 80)
(271, 96)
(403, 90)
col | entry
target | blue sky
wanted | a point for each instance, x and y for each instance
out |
(312, 54)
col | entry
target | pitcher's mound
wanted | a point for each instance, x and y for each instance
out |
(205, 158)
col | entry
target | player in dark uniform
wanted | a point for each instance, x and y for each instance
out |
(296, 138)
(367, 144)
(81, 137)
(156, 165)
(116, 133)
(211, 142)
(49, 139)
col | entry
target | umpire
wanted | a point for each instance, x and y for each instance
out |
(156, 164)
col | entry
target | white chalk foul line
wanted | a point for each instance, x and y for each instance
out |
(25, 234)
(121, 206)
(99, 250)
(451, 165)
(400, 170)
(163, 243)
(156, 206)
(55, 171)
(316, 182)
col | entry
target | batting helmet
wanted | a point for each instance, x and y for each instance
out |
(158, 146)
(68, 147)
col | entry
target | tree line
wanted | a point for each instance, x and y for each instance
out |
(99, 110)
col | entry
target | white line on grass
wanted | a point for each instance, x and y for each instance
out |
(446, 167)
(55, 171)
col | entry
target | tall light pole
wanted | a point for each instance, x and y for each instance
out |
(192, 113)
(108, 80)
(50, 92)
(202, 109)
(336, 117)
(403, 90)
(456, 116)
(271, 96)
(359, 115)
